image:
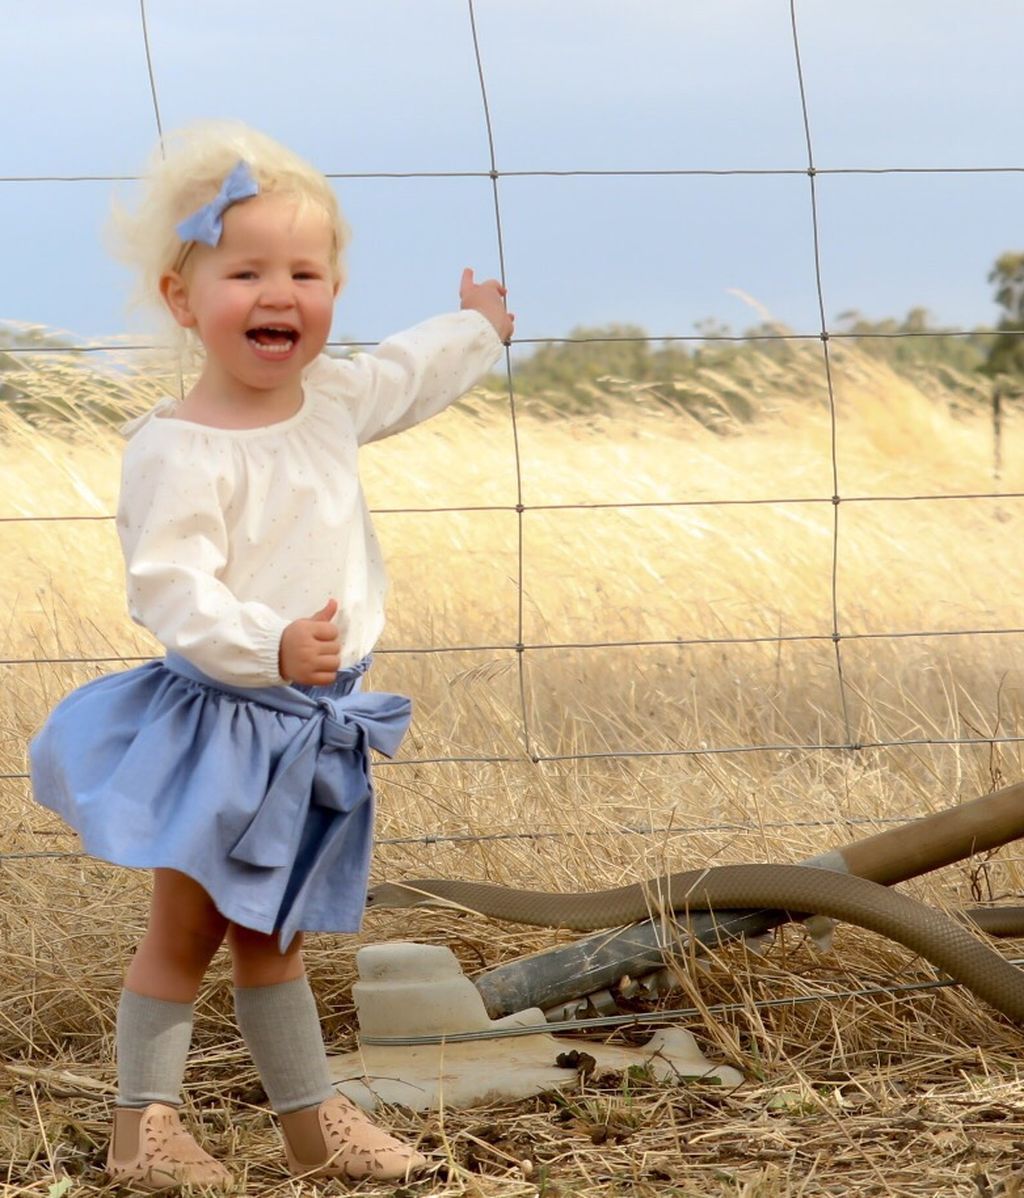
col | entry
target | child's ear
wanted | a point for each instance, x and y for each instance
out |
(174, 290)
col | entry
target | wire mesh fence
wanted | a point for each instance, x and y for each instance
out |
(834, 635)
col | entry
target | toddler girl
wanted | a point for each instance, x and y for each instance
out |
(237, 767)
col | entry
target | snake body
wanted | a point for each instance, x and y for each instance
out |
(941, 940)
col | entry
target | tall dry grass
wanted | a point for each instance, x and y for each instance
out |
(888, 1095)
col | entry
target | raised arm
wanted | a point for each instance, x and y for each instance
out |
(418, 373)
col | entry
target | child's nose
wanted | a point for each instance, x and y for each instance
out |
(277, 291)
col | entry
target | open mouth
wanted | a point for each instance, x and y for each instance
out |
(272, 339)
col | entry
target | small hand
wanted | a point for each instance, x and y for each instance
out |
(487, 298)
(310, 650)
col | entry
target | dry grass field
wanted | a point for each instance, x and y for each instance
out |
(639, 673)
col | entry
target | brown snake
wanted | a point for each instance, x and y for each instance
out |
(940, 939)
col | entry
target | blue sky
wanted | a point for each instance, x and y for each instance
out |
(602, 85)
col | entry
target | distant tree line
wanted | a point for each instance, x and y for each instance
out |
(592, 359)
(1006, 353)
(584, 370)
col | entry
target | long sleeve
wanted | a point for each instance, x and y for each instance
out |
(413, 375)
(173, 534)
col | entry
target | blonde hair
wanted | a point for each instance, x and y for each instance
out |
(188, 172)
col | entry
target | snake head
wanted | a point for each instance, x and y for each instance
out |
(398, 894)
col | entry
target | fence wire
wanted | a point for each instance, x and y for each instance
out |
(520, 647)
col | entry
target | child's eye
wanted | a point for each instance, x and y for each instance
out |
(306, 274)
(244, 274)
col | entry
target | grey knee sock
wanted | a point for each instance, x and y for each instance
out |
(282, 1029)
(153, 1038)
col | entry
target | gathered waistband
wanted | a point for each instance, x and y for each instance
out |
(295, 700)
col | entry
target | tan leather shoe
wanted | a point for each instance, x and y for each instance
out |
(151, 1150)
(336, 1139)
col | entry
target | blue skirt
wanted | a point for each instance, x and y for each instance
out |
(263, 795)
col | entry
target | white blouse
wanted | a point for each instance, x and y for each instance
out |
(231, 534)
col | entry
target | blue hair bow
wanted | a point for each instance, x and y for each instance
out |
(206, 224)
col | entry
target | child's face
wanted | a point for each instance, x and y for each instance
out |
(262, 300)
